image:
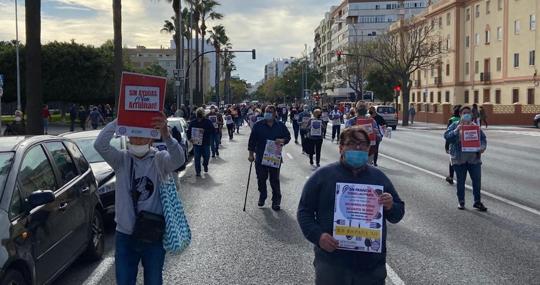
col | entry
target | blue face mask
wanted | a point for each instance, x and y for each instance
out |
(268, 116)
(466, 117)
(356, 158)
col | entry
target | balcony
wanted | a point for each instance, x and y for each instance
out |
(485, 77)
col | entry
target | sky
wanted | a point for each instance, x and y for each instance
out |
(275, 28)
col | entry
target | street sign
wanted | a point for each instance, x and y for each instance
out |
(1, 80)
(178, 73)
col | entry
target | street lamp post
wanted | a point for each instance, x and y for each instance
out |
(19, 107)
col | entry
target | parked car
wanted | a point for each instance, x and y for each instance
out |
(389, 114)
(103, 172)
(50, 213)
(537, 120)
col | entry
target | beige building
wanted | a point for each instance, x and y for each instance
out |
(491, 53)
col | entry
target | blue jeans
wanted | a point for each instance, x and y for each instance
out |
(475, 171)
(215, 142)
(45, 126)
(201, 151)
(129, 252)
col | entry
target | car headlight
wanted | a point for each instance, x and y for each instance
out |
(108, 187)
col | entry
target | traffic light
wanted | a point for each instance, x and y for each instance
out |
(339, 54)
(397, 88)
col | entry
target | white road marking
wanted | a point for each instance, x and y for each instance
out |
(290, 156)
(494, 196)
(392, 275)
(100, 271)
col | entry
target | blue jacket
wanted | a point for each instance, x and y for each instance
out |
(458, 157)
(262, 132)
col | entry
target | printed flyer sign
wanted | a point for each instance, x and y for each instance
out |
(214, 121)
(272, 154)
(358, 217)
(142, 98)
(367, 124)
(197, 135)
(305, 121)
(316, 128)
(229, 120)
(325, 117)
(470, 138)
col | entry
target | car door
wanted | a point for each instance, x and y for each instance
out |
(74, 190)
(48, 232)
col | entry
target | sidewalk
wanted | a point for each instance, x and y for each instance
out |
(431, 126)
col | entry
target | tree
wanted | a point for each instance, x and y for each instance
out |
(401, 52)
(118, 58)
(290, 84)
(34, 95)
(353, 68)
(217, 38)
(381, 83)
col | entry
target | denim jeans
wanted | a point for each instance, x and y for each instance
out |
(475, 171)
(45, 126)
(129, 252)
(215, 141)
(336, 131)
(201, 151)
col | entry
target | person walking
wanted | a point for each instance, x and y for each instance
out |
(230, 123)
(466, 162)
(303, 119)
(72, 117)
(200, 134)
(454, 119)
(284, 114)
(483, 117)
(360, 113)
(265, 132)
(475, 114)
(140, 171)
(294, 116)
(82, 117)
(46, 117)
(314, 137)
(336, 116)
(381, 126)
(217, 121)
(315, 215)
(17, 127)
(94, 118)
(412, 113)
(325, 119)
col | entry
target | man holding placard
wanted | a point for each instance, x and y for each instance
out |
(315, 137)
(200, 133)
(265, 144)
(343, 212)
(467, 144)
(336, 116)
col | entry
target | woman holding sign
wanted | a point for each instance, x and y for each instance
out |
(315, 138)
(467, 143)
(359, 256)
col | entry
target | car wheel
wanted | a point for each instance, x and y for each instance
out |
(394, 128)
(13, 277)
(537, 123)
(96, 243)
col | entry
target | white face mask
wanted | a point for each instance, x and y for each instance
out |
(18, 119)
(138, 150)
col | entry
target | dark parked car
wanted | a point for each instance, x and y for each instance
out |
(537, 120)
(50, 212)
(103, 172)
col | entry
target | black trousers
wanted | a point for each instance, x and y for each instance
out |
(296, 129)
(263, 173)
(230, 129)
(336, 131)
(376, 155)
(324, 125)
(317, 144)
(331, 274)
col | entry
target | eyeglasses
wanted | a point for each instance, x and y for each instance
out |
(357, 144)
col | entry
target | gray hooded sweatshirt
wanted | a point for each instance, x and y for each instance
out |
(148, 172)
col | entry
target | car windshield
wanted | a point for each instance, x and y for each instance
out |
(87, 147)
(386, 110)
(6, 158)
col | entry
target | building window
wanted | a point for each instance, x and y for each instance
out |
(476, 67)
(499, 4)
(517, 27)
(488, 37)
(486, 96)
(447, 69)
(467, 14)
(532, 22)
(532, 57)
(447, 96)
(430, 97)
(477, 11)
(448, 42)
(466, 97)
(448, 19)
(440, 22)
(439, 97)
(499, 64)
(418, 99)
(466, 68)
(498, 96)
(530, 96)
(515, 95)
(476, 39)
(467, 41)
(475, 96)
(499, 33)
(516, 59)
(487, 6)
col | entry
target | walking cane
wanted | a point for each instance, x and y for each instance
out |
(247, 188)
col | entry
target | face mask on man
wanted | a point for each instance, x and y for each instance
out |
(355, 158)
(138, 150)
(268, 116)
(466, 117)
(18, 119)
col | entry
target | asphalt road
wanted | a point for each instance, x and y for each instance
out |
(434, 244)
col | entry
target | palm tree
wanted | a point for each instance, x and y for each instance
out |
(195, 21)
(34, 95)
(206, 12)
(118, 58)
(217, 38)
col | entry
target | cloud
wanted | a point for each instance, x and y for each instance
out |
(276, 28)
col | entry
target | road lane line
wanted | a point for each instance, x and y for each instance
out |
(290, 156)
(393, 276)
(100, 271)
(494, 196)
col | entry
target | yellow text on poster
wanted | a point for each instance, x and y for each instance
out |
(357, 232)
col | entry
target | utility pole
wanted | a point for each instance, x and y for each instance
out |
(19, 106)
(179, 56)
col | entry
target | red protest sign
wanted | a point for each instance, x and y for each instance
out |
(470, 138)
(367, 124)
(142, 98)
